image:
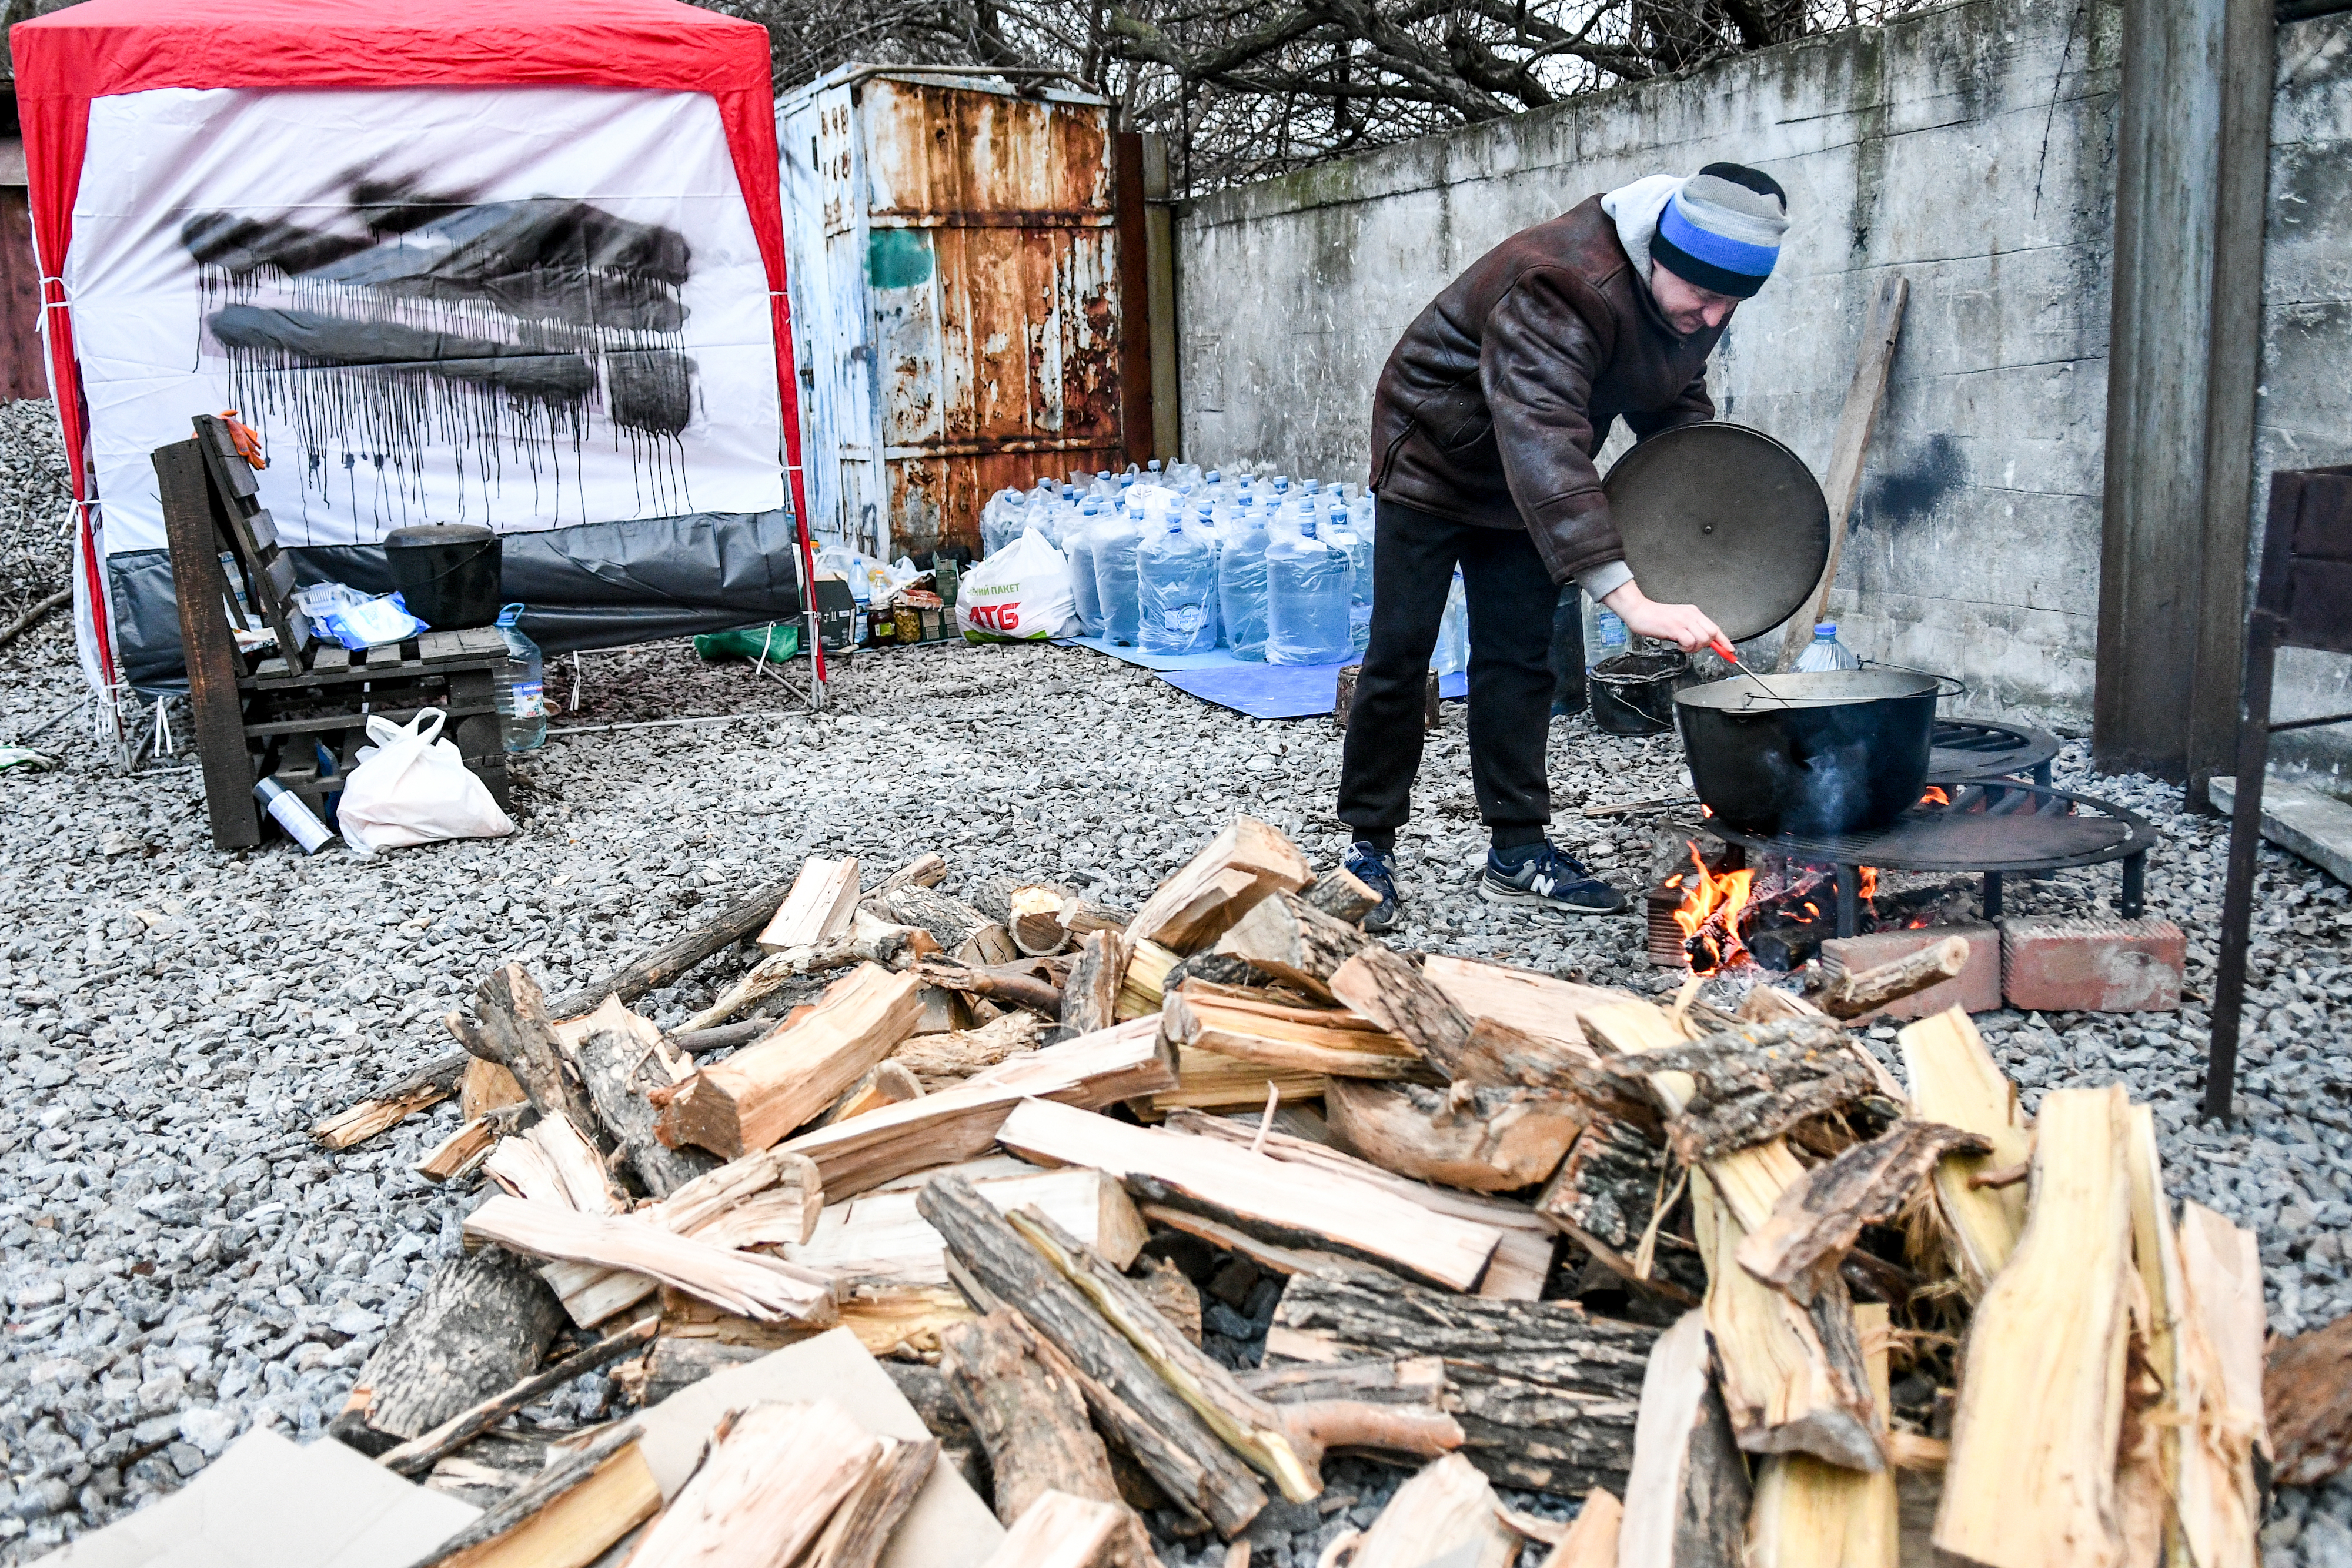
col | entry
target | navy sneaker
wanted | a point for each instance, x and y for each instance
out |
(1542, 876)
(1377, 872)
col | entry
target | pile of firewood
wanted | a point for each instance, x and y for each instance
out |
(1725, 1275)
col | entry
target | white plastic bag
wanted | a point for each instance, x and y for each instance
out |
(414, 788)
(1021, 593)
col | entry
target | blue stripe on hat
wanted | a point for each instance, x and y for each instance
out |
(1731, 255)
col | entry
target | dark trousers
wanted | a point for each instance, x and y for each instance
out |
(1511, 599)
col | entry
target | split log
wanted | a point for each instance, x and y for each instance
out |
(487, 1087)
(664, 965)
(1287, 937)
(1852, 993)
(2185, 1481)
(461, 1151)
(817, 909)
(481, 1325)
(1955, 1081)
(1417, 1380)
(1807, 1513)
(1817, 1221)
(1090, 996)
(1537, 1004)
(942, 1060)
(746, 1283)
(1604, 1198)
(1686, 1497)
(1060, 1530)
(964, 935)
(1031, 1419)
(1206, 1081)
(1341, 894)
(1285, 1442)
(421, 1453)
(1591, 1540)
(512, 1028)
(1269, 1256)
(765, 1091)
(1485, 1139)
(1172, 1295)
(861, 1526)
(1295, 1202)
(1546, 1395)
(1043, 917)
(1258, 1029)
(1142, 981)
(2307, 1401)
(553, 1161)
(575, 1510)
(2045, 1356)
(774, 1476)
(1446, 1513)
(1751, 1084)
(886, 1320)
(868, 941)
(618, 1059)
(1171, 1442)
(1243, 864)
(962, 1123)
(1793, 1379)
(1522, 1258)
(926, 870)
(885, 1083)
(2223, 1267)
(882, 1236)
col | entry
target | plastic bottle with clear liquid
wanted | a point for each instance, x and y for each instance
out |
(1308, 581)
(1605, 635)
(1452, 657)
(1176, 580)
(1240, 578)
(1078, 550)
(522, 695)
(1359, 546)
(1116, 538)
(1002, 520)
(1826, 654)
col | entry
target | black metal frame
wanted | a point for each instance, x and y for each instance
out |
(2303, 599)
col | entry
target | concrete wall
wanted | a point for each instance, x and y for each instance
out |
(1971, 150)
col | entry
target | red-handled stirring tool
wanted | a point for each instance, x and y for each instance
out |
(1730, 656)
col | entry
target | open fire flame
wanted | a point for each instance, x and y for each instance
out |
(1710, 914)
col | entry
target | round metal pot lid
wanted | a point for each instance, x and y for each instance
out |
(1724, 518)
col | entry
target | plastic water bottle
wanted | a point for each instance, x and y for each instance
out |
(1308, 584)
(1825, 653)
(1176, 575)
(1605, 635)
(1078, 548)
(1359, 557)
(1241, 577)
(523, 694)
(1453, 655)
(1116, 538)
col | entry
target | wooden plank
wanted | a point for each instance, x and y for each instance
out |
(1351, 1216)
(206, 649)
(1865, 395)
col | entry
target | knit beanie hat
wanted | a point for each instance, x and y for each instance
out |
(1722, 230)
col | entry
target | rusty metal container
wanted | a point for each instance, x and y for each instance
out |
(960, 297)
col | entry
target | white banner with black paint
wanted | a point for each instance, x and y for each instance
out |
(528, 307)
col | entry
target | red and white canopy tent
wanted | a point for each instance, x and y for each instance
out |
(152, 124)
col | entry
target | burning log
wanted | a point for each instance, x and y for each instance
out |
(1817, 1221)
(1851, 995)
(2045, 1355)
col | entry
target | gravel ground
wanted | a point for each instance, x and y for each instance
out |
(179, 1263)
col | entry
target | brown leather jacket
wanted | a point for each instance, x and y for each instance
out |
(1496, 399)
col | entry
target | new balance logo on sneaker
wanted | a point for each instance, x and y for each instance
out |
(1543, 876)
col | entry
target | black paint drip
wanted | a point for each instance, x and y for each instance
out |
(495, 329)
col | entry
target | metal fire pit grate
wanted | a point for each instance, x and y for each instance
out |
(1980, 748)
(1991, 826)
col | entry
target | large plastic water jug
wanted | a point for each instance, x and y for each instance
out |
(1176, 575)
(1078, 548)
(1309, 581)
(1116, 536)
(1241, 577)
(1359, 557)
(1002, 520)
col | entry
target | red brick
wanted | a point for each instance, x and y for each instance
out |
(2094, 965)
(1976, 988)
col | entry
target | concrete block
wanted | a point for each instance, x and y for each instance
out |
(2094, 965)
(2299, 821)
(1976, 988)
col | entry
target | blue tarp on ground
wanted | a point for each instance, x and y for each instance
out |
(1246, 685)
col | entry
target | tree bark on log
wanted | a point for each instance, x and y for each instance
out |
(481, 1326)
(665, 963)
(1090, 996)
(1686, 1500)
(861, 1526)
(1751, 1084)
(869, 941)
(1288, 937)
(963, 933)
(1604, 1195)
(1817, 1221)
(1545, 1393)
(1341, 894)
(421, 1453)
(1188, 1460)
(512, 1027)
(613, 1062)
(395, 1102)
(1031, 1421)
(943, 1060)
(1243, 863)
(1853, 994)
(1483, 1139)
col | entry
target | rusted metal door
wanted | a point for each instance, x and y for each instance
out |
(980, 229)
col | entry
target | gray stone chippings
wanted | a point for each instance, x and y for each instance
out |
(180, 1264)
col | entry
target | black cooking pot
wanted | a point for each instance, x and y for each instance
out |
(1809, 754)
(447, 573)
